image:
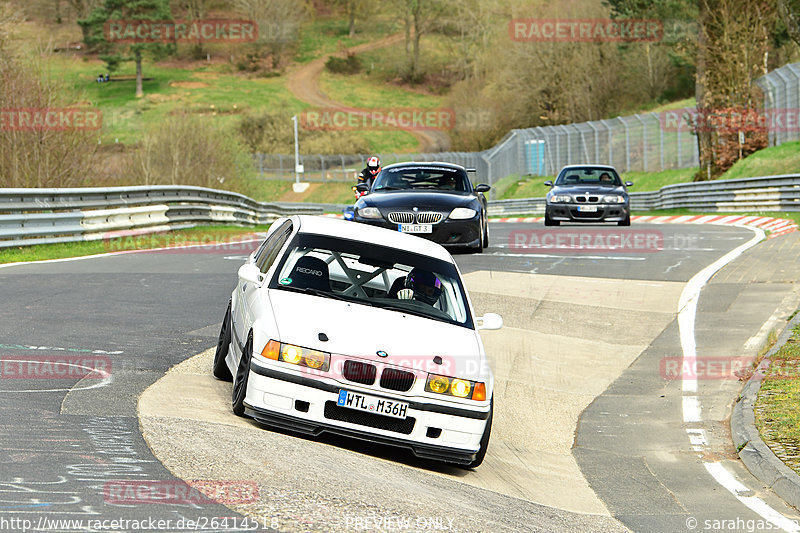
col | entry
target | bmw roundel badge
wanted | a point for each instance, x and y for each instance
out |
(381, 353)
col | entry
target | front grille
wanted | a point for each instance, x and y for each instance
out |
(343, 414)
(398, 380)
(429, 218)
(358, 372)
(587, 199)
(401, 217)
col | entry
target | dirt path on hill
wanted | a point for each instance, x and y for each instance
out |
(303, 82)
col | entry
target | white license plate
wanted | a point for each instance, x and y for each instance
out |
(415, 228)
(587, 208)
(371, 404)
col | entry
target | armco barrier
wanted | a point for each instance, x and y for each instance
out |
(45, 216)
(41, 216)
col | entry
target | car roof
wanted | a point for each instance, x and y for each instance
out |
(322, 225)
(424, 164)
(571, 167)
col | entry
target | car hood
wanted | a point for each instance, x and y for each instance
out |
(362, 331)
(421, 199)
(591, 189)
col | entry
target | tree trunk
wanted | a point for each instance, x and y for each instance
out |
(352, 17)
(417, 34)
(704, 136)
(138, 59)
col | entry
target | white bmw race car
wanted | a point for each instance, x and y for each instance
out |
(361, 331)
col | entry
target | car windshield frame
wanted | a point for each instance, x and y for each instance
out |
(378, 267)
(583, 179)
(413, 178)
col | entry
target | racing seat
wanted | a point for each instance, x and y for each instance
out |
(311, 273)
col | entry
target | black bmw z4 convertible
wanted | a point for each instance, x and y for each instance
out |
(435, 201)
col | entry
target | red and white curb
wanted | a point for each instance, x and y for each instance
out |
(776, 226)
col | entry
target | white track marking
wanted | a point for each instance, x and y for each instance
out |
(692, 409)
(755, 504)
(105, 381)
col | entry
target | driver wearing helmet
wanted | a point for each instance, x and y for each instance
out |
(369, 174)
(422, 286)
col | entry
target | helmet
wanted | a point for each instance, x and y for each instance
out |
(426, 286)
(374, 165)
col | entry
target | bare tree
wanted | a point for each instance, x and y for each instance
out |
(277, 20)
(419, 18)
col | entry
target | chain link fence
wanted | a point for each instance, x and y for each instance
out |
(781, 89)
(648, 142)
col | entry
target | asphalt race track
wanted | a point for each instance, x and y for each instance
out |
(589, 434)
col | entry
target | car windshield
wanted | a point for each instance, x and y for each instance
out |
(373, 275)
(421, 177)
(589, 176)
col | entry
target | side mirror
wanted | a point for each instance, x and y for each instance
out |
(250, 273)
(548, 183)
(482, 188)
(362, 187)
(490, 321)
(629, 184)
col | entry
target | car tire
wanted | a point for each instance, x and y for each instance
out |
(549, 221)
(220, 368)
(487, 433)
(242, 375)
(486, 233)
(626, 222)
(481, 238)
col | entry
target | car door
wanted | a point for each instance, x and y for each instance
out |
(246, 292)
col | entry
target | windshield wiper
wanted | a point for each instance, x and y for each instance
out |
(389, 188)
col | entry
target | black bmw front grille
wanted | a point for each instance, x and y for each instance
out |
(358, 372)
(398, 380)
(343, 414)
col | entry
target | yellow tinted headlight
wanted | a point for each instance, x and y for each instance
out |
(438, 384)
(460, 388)
(314, 359)
(291, 354)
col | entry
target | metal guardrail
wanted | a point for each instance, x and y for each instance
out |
(43, 216)
(46, 216)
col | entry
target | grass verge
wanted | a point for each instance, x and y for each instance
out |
(776, 412)
(229, 235)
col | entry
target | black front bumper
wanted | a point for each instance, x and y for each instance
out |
(449, 233)
(571, 213)
(300, 425)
